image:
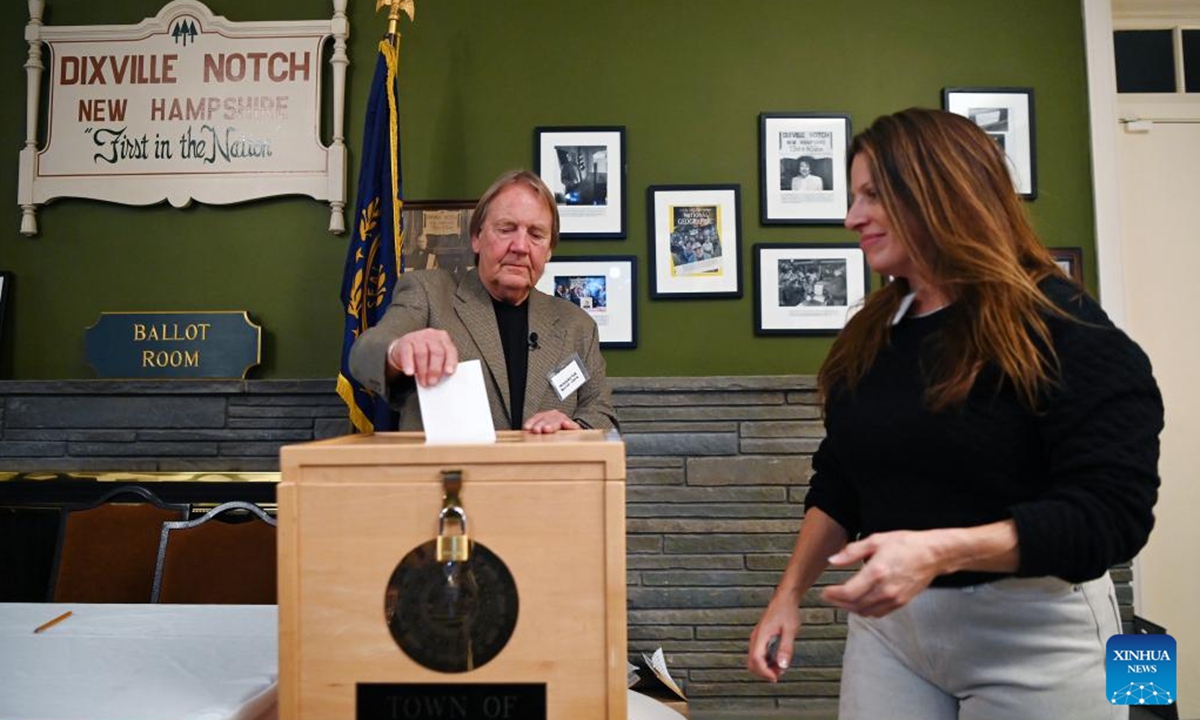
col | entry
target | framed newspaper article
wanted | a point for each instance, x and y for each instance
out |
(605, 287)
(1006, 114)
(807, 289)
(695, 245)
(1070, 260)
(802, 168)
(585, 169)
(437, 234)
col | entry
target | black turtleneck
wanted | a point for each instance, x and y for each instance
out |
(513, 323)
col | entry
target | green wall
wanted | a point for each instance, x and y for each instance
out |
(687, 78)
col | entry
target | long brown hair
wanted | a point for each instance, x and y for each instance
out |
(948, 194)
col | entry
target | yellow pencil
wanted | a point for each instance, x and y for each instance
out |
(52, 623)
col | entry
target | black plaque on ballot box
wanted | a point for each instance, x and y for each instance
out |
(451, 701)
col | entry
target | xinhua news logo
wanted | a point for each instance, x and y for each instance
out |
(1141, 669)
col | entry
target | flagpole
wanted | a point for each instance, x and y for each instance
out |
(394, 8)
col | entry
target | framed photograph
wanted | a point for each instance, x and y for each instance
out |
(437, 234)
(695, 243)
(605, 287)
(1006, 114)
(585, 169)
(807, 289)
(802, 168)
(1071, 261)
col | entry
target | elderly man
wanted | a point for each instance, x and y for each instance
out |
(523, 336)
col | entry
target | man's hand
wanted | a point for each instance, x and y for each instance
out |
(426, 355)
(550, 421)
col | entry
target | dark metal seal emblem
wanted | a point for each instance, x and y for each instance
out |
(451, 616)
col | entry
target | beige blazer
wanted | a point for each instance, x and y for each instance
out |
(431, 299)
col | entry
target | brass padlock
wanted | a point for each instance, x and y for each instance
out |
(453, 548)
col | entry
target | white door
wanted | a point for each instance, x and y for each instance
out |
(1160, 248)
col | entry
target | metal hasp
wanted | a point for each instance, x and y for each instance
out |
(452, 548)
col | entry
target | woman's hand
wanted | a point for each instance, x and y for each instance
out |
(780, 622)
(898, 566)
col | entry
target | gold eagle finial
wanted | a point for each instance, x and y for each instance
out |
(394, 7)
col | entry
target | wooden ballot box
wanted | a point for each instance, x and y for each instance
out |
(378, 620)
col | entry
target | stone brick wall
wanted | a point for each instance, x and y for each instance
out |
(717, 472)
(162, 426)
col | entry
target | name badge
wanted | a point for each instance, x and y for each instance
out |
(569, 378)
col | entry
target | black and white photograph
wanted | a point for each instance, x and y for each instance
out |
(605, 287)
(812, 283)
(807, 289)
(694, 237)
(582, 175)
(585, 169)
(1070, 261)
(1006, 114)
(993, 120)
(802, 167)
(437, 235)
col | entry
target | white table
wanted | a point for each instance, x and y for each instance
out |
(139, 662)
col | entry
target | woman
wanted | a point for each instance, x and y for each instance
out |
(991, 442)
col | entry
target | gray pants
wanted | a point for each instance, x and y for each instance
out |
(1009, 650)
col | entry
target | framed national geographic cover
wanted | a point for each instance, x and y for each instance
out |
(802, 168)
(1005, 114)
(807, 288)
(437, 234)
(605, 287)
(585, 169)
(695, 241)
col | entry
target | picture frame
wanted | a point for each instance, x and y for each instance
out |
(1070, 260)
(695, 241)
(437, 234)
(605, 287)
(807, 288)
(585, 169)
(802, 168)
(1006, 114)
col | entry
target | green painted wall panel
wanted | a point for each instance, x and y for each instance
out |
(686, 77)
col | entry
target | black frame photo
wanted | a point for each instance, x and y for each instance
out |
(603, 286)
(807, 288)
(1070, 260)
(695, 241)
(585, 169)
(437, 235)
(802, 168)
(1005, 114)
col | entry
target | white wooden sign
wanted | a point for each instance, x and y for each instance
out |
(184, 106)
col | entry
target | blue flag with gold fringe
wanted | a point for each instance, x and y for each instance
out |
(373, 262)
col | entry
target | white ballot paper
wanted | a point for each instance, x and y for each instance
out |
(456, 410)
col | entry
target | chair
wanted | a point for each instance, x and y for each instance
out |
(225, 557)
(106, 550)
